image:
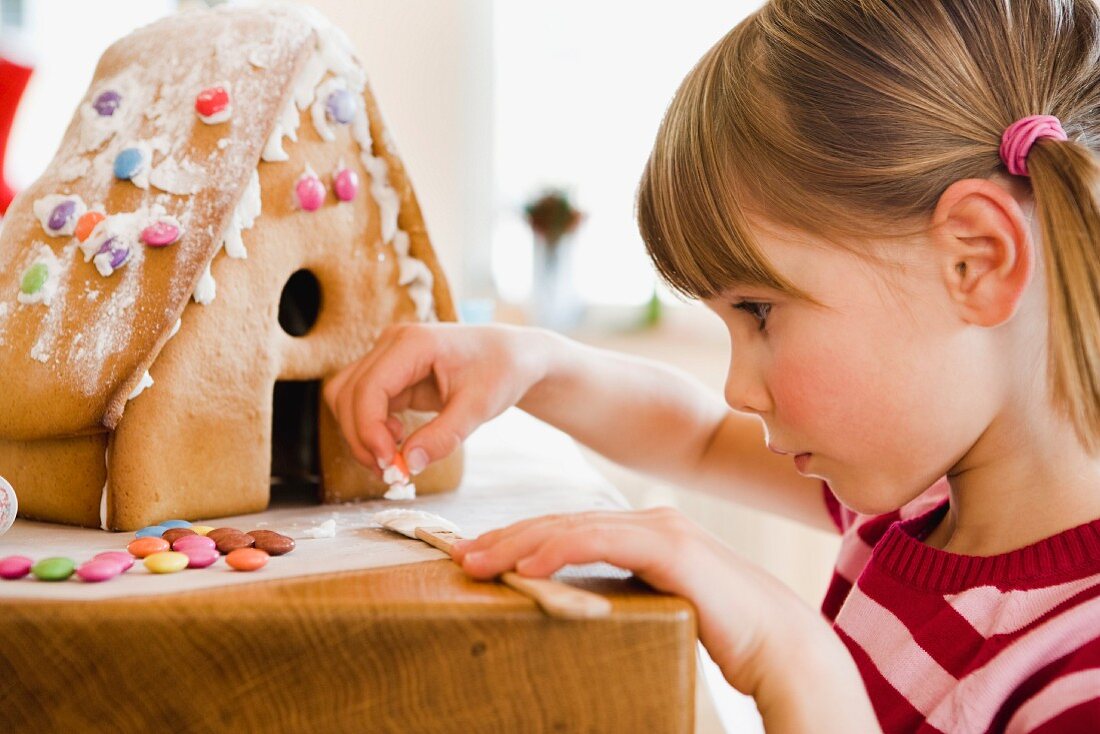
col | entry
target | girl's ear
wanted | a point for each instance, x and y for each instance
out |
(985, 250)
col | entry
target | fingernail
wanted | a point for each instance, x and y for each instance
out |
(416, 459)
(476, 557)
(460, 544)
(383, 464)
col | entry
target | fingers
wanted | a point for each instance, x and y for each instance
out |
(443, 434)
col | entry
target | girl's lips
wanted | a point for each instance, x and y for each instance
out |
(800, 462)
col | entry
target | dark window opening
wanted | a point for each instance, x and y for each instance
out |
(300, 303)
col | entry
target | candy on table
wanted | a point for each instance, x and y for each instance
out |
(200, 557)
(309, 191)
(57, 568)
(345, 182)
(271, 542)
(166, 562)
(174, 524)
(123, 558)
(230, 542)
(212, 105)
(87, 223)
(174, 534)
(246, 559)
(151, 531)
(146, 546)
(202, 529)
(161, 234)
(129, 163)
(107, 102)
(15, 567)
(192, 541)
(99, 569)
(340, 106)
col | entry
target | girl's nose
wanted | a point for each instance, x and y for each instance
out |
(745, 390)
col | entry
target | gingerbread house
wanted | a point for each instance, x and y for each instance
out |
(225, 225)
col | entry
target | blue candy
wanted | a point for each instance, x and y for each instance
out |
(128, 163)
(175, 524)
(153, 531)
(340, 106)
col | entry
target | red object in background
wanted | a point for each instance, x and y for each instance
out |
(13, 80)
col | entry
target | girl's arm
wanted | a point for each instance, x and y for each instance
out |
(660, 420)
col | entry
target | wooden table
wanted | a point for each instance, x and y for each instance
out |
(413, 648)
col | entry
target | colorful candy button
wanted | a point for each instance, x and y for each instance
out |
(192, 541)
(231, 542)
(340, 106)
(121, 557)
(57, 568)
(200, 557)
(87, 223)
(346, 184)
(212, 104)
(162, 234)
(61, 215)
(310, 192)
(15, 567)
(174, 534)
(128, 163)
(118, 254)
(202, 529)
(272, 543)
(147, 546)
(247, 559)
(107, 102)
(166, 562)
(34, 278)
(101, 569)
(174, 524)
(150, 531)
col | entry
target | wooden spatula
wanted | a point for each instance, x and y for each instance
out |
(556, 599)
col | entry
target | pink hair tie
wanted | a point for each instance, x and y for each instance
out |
(1021, 135)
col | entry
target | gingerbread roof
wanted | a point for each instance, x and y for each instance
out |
(99, 298)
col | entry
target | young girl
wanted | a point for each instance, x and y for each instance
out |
(892, 206)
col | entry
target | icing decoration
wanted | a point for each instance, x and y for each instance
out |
(346, 184)
(87, 223)
(40, 279)
(114, 241)
(129, 163)
(243, 217)
(58, 213)
(146, 381)
(161, 233)
(212, 105)
(206, 289)
(107, 102)
(309, 191)
(340, 106)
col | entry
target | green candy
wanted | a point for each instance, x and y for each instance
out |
(34, 278)
(53, 569)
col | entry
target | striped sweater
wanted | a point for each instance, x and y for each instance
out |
(953, 643)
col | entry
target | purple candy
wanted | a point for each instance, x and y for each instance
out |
(340, 106)
(160, 234)
(121, 557)
(61, 214)
(192, 541)
(100, 569)
(119, 257)
(15, 567)
(106, 103)
(199, 557)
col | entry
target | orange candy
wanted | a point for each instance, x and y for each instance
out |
(87, 223)
(246, 559)
(147, 546)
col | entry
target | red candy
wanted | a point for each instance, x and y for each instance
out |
(160, 234)
(124, 559)
(346, 184)
(211, 101)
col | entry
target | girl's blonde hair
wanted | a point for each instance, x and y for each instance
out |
(849, 118)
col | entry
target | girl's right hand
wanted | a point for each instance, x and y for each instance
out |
(468, 374)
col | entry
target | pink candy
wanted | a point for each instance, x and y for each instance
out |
(121, 557)
(200, 557)
(160, 234)
(192, 541)
(346, 184)
(99, 569)
(310, 192)
(15, 567)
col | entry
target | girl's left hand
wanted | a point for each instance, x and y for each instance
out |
(748, 620)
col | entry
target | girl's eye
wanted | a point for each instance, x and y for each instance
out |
(758, 310)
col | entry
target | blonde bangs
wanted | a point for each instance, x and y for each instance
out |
(690, 202)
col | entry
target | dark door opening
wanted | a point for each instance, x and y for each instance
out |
(295, 465)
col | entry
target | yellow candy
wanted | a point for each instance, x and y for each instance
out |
(166, 562)
(202, 529)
